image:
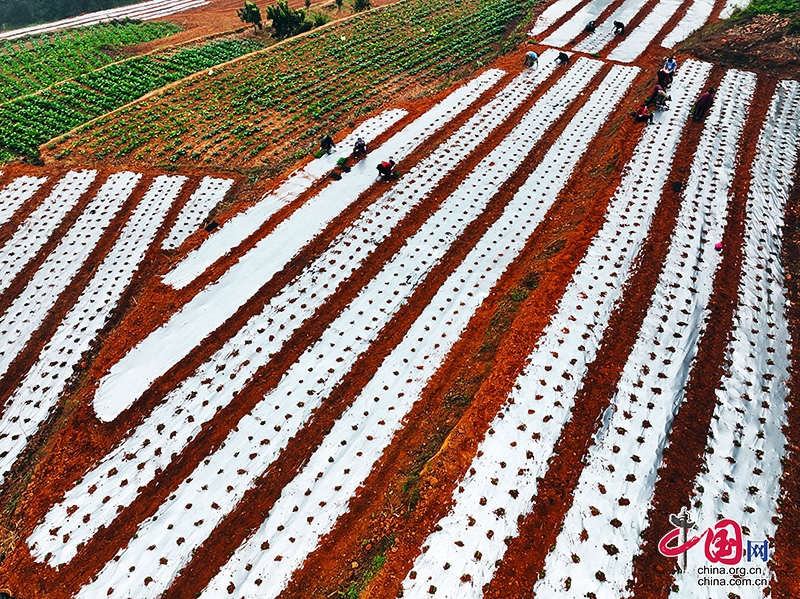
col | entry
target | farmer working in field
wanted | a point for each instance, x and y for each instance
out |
(619, 28)
(385, 170)
(703, 103)
(562, 58)
(531, 59)
(326, 143)
(360, 148)
(590, 27)
(659, 97)
(664, 78)
(671, 65)
(643, 115)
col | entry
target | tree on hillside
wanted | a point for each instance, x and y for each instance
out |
(359, 5)
(250, 14)
(286, 21)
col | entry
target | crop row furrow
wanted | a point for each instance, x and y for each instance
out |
(502, 480)
(29, 308)
(323, 365)
(32, 234)
(615, 488)
(41, 388)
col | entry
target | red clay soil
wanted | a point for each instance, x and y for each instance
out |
(765, 43)
(71, 450)
(786, 564)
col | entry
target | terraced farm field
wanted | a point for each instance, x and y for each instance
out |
(502, 373)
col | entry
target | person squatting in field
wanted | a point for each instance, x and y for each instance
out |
(659, 97)
(619, 28)
(360, 148)
(643, 115)
(562, 58)
(326, 143)
(590, 27)
(703, 103)
(386, 169)
(531, 59)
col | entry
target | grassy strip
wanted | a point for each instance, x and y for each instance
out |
(769, 7)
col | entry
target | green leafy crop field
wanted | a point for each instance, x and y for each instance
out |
(271, 107)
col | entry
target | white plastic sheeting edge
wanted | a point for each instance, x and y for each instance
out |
(209, 193)
(16, 193)
(32, 234)
(695, 17)
(601, 532)
(211, 307)
(241, 226)
(751, 402)
(552, 14)
(39, 391)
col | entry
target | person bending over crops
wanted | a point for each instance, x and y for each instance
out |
(326, 143)
(659, 97)
(386, 169)
(360, 148)
(703, 103)
(664, 79)
(562, 58)
(643, 115)
(531, 59)
(619, 28)
(671, 65)
(590, 27)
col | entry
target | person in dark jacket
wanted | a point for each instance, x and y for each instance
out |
(562, 58)
(619, 28)
(590, 27)
(360, 148)
(703, 103)
(326, 143)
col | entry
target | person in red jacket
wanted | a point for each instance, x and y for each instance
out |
(385, 169)
(643, 115)
(703, 103)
